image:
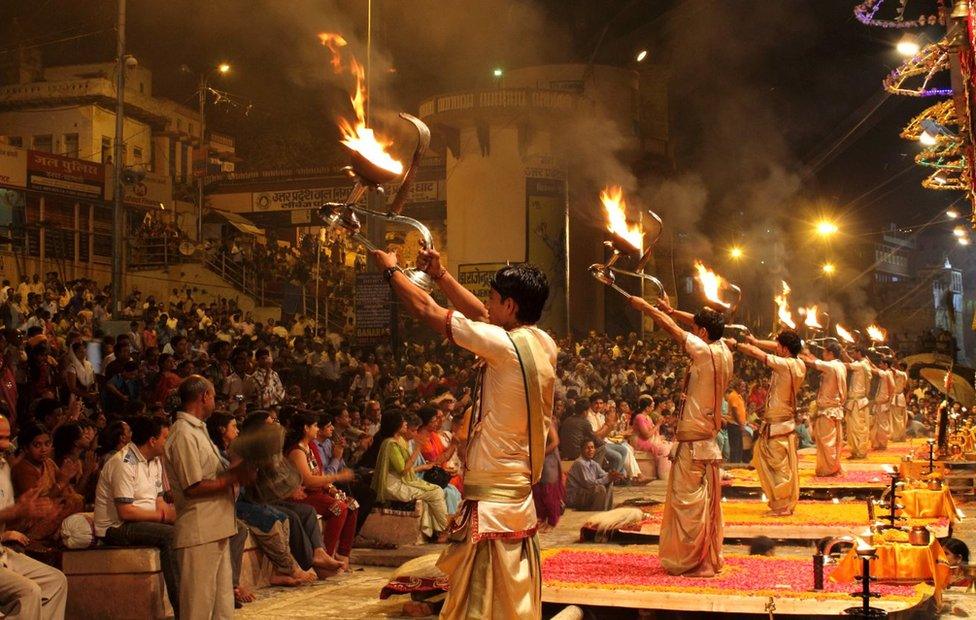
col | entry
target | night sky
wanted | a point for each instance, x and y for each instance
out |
(755, 84)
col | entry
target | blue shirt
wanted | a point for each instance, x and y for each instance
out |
(329, 465)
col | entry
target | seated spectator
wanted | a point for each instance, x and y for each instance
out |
(129, 506)
(319, 488)
(122, 389)
(588, 487)
(113, 438)
(394, 479)
(576, 430)
(441, 478)
(267, 524)
(37, 472)
(72, 450)
(28, 589)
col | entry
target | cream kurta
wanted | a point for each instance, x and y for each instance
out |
(493, 562)
(774, 451)
(899, 411)
(858, 416)
(691, 527)
(881, 409)
(831, 397)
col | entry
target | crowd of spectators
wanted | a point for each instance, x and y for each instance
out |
(361, 426)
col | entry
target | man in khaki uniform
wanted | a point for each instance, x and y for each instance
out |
(203, 488)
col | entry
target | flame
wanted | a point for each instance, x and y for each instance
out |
(877, 334)
(783, 307)
(811, 318)
(843, 333)
(357, 136)
(710, 283)
(616, 208)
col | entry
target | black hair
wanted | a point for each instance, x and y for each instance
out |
(761, 545)
(956, 547)
(790, 340)
(28, 433)
(390, 423)
(146, 427)
(713, 322)
(426, 414)
(217, 423)
(254, 420)
(527, 286)
(834, 348)
(296, 428)
(581, 406)
(45, 407)
(64, 439)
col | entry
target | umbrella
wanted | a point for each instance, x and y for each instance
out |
(960, 390)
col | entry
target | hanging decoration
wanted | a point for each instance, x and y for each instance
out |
(930, 61)
(868, 13)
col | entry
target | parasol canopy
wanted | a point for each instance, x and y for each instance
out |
(960, 388)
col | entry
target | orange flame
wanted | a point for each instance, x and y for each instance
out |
(877, 334)
(710, 283)
(357, 136)
(616, 208)
(811, 319)
(843, 333)
(782, 302)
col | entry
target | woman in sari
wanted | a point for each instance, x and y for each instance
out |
(436, 445)
(332, 504)
(415, 443)
(394, 478)
(36, 469)
(647, 437)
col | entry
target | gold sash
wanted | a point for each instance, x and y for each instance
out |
(536, 369)
(496, 487)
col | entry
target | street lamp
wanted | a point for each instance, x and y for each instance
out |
(736, 252)
(641, 55)
(908, 45)
(204, 87)
(828, 268)
(826, 228)
(952, 213)
(497, 72)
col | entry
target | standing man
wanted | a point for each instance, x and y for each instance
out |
(691, 528)
(28, 588)
(830, 407)
(203, 488)
(881, 407)
(899, 406)
(858, 415)
(774, 451)
(493, 561)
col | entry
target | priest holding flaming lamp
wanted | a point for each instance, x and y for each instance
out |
(831, 396)
(858, 383)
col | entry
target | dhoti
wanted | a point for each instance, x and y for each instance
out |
(691, 529)
(858, 428)
(827, 435)
(496, 578)
(775, 461)
(881, 426)
(899, 422)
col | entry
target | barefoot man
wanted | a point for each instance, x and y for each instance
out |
(774, 451)
(831, 397)
(493, 561)
(691, 529)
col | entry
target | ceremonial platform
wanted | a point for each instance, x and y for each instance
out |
(745, 519)
(635, 579)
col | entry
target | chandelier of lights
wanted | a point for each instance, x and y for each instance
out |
(949, 157)
(948, 179)
(867, 14)
(943, 113)
(931, 60)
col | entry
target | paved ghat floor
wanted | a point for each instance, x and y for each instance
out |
(354, 596)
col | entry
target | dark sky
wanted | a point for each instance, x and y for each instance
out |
(757, 85)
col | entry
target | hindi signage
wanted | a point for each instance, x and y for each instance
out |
(373, 307)
(476, 277)
(13, 167)
(65, 175)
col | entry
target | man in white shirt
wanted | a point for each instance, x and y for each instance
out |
(830, 407)
(129, 507)
(493, 561)
(774, 451)
(691, 528)
(28, 588)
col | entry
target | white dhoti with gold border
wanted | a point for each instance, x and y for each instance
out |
(827, 435)
(692, 526)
